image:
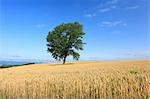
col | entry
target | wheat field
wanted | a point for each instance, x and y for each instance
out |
(83, 80)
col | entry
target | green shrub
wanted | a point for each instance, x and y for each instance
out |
(135, 72)
(2, 97)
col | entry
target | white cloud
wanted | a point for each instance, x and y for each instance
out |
(40, 25)
(107, 8)
(102, 7)
(89, 15)
(26, 58)
(137, 55)
(112, 2)
(119, 57)
(132, 7)
(112, 23)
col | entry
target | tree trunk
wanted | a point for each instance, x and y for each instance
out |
(64, 60)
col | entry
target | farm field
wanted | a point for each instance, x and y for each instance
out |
(81, 80)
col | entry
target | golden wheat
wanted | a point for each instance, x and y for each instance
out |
(90, 80)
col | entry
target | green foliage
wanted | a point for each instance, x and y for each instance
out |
(147, 97)
(2, 97)
(135, 72)
(65, 40)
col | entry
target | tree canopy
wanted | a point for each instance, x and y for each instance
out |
(65, 40)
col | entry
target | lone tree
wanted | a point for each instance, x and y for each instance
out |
(65, 40)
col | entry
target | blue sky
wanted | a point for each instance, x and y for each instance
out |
(115, 29)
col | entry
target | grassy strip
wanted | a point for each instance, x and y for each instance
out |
(8, 66)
